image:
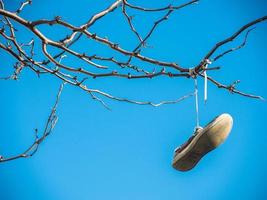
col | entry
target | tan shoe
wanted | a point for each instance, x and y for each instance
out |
(203, 141)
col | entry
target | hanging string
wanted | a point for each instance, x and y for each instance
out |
(196, 102)
(205, 86)
(208, 62)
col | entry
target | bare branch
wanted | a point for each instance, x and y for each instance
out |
(32, 27)
(129, 20)
(122, 65)
(232, 88)
(70, 74)
(142, 102)
(235, 35)
(23, 4)
(50, 124)
(165, 17)
(169, 7)
(234, 49)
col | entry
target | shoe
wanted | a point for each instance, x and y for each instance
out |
(203, 141)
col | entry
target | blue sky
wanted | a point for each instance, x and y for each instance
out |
(126, 153)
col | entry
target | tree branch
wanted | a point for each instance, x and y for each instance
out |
(50, 124)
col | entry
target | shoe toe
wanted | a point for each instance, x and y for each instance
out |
(219, 130)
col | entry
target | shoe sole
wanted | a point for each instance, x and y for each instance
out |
(207, 140)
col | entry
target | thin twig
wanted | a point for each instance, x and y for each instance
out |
(232, 37)
(23, 4)
(232, 88)
(234, 49)
(50, 124)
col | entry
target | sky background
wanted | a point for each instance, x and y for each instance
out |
(126, 153)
